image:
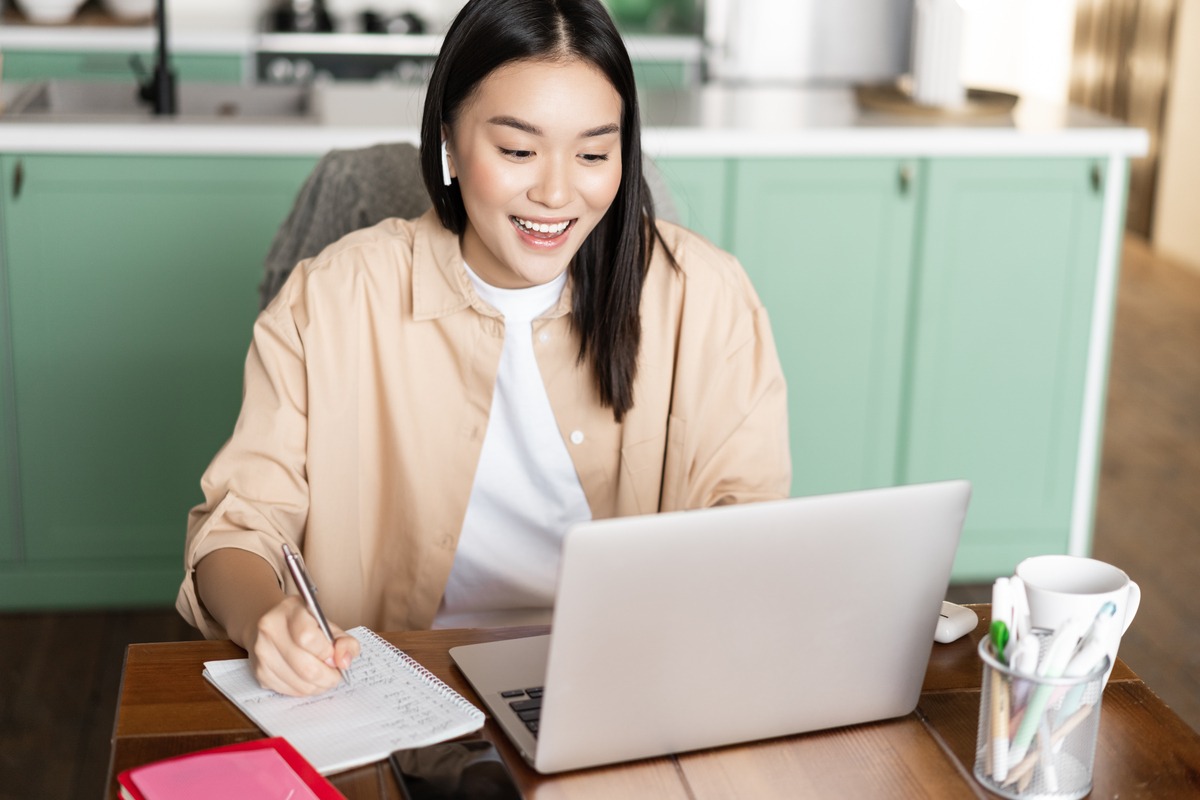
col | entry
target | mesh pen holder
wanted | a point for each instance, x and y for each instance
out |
(1037, 736)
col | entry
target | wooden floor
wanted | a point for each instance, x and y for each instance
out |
(59, 673)
(1148, 515)
(59, 676)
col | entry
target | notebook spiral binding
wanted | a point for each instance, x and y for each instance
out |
(437, 683)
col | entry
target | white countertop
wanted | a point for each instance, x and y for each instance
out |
(712, 121)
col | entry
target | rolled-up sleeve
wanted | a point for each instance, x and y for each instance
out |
(255, 490)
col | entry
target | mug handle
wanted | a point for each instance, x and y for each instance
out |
(1133, 599)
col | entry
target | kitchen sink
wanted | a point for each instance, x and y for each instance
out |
(60, 100)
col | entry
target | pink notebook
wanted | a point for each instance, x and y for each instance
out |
(265, 768)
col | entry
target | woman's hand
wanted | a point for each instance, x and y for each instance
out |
(290, 654)
(288, 651)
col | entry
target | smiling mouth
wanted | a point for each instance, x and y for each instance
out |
(541, 230)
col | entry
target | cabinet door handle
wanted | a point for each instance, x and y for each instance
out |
(1097, 176)
(904, 178)
(18, 178)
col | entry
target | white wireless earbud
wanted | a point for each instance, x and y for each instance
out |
(445, 165)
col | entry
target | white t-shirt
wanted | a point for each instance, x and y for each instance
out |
(526, 491)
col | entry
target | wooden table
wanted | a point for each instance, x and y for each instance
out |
(1144, 749)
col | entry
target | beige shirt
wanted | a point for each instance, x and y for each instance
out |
(366, 398)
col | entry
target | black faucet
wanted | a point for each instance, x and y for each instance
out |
(159, 88)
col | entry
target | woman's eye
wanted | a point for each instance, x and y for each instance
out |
(594, 158)
(519, 154)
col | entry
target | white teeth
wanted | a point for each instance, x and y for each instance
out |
(557, 227)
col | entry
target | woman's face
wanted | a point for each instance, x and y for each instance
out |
(537, 154)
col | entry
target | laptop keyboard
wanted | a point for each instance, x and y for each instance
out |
(527, 704)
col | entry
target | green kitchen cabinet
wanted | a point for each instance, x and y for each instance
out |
(828, 244)
(111, 65)
(131, 286)
(9, 488)
(1000, 330)
(933, 319)
(700, 188)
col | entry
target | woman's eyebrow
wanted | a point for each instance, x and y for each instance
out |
(513, 122)
(603, 130)
(533, 130)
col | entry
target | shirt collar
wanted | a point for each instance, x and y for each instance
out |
(441, 285)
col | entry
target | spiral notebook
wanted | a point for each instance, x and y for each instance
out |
(392, 703)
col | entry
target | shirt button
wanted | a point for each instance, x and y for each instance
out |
(576, 437)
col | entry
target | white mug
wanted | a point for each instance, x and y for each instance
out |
(1060, 587)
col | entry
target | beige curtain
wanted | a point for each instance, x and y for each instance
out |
(1121, 67)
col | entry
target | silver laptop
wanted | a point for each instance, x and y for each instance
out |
(679, 631)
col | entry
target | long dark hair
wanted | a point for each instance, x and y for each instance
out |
(608, 270)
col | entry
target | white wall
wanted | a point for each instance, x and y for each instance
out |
(1020, 46)
(1177, 204)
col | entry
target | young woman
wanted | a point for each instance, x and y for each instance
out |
(430, 404)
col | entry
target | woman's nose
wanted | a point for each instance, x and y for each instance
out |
(552, 187)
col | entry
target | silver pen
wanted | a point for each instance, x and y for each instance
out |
(309, 592)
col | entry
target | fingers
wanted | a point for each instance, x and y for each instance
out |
(291, 655)
(345, 649)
